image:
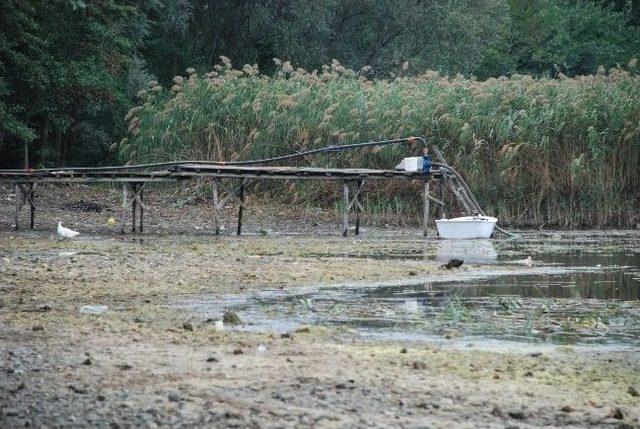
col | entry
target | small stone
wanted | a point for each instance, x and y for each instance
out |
(238, 352)
(517, 414)
(496, 411)
(10, 412)
(419, 365)
(37, 328)
(79, 390)
(101, 398)
(340, 386)
(45, 307)
(124, 366)
(633, 391)
(617, 414)
(174, 397)
(187, 326)
(231, 318)
(528, 374)
(567, 409)
(18, 388)
(212, 359)
(403, 350)
(87, 362)
(535, 354)
(286, 335)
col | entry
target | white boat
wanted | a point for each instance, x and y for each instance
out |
(466, 227)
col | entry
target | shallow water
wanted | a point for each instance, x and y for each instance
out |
(583, 289)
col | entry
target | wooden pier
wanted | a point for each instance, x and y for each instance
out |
(228, 183)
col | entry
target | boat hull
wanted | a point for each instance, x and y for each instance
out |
(468, 227)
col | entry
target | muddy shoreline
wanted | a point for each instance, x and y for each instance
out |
(149, 362)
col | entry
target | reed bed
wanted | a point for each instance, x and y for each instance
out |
(536, 151)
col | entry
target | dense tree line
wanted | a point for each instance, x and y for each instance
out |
(70, 69)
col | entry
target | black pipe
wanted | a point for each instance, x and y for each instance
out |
(326, 149)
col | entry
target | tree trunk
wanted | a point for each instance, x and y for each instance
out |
(26, 155)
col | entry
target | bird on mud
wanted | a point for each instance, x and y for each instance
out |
(453, 263)
(66, 232)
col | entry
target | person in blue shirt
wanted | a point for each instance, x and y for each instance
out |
(426, 161)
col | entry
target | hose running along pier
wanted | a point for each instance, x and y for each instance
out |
(229, 180)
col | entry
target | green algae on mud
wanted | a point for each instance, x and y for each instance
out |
(351, 380)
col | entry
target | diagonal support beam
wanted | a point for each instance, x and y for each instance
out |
(234, 193)
(349, 203)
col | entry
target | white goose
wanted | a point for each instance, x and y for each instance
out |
(66, 232)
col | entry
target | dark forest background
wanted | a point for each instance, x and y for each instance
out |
(70, 69)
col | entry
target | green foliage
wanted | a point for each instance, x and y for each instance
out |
(551, 37)
(63, 64)
(558, 151)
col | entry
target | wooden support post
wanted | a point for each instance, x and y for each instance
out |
(32, 205)
(123, 220)
(134, 206)
(141, 199)
(425, 220)
(345, 213)
(356, 199)
(216, 216)
(241, 206)
(442, 214)
(18, 205)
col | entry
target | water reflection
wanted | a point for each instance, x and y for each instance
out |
(471, 251)
(596, 301)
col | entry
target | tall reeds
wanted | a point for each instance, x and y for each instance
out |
(555, 151)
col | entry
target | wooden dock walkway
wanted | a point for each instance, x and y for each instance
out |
(224, 178)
